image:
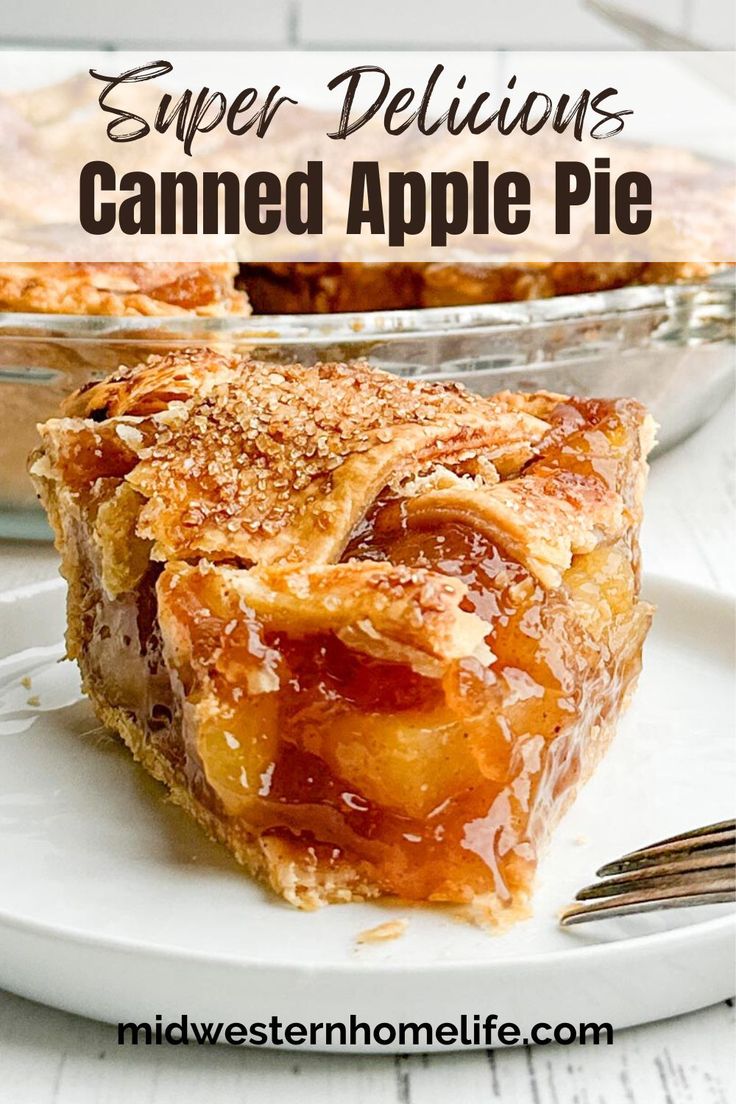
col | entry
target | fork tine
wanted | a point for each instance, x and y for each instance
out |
(663, 875)
(713, 842)
(707, 830)
(694, 868)
(628, 903)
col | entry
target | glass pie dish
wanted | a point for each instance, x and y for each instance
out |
(670, 346)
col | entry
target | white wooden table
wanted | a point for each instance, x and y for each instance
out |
(50, 1057)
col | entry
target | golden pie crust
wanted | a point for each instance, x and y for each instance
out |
(371, 633)
(109, 288)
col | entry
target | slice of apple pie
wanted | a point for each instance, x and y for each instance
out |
(371, 633)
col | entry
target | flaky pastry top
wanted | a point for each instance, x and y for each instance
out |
(266, 464)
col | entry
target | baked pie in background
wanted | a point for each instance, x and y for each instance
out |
(371, 633)
(162, 288)
(321, 287)
(116, 288)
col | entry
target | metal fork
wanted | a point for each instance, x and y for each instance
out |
(694, 868)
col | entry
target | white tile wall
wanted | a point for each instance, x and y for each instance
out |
(713, 23)
(392, 24)
(178, 24)
(455, 24)
(710, 23)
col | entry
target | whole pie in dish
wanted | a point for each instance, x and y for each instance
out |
(371, 633)
(174, 288)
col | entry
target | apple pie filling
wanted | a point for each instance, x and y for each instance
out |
(435, 781)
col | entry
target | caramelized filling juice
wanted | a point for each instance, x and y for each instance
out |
(432, 783)
(442, 789)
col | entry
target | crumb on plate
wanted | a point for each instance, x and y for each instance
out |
(391, 929)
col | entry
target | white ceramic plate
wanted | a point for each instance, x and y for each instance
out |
(113, 905)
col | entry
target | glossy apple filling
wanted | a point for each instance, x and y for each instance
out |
(442, 788)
